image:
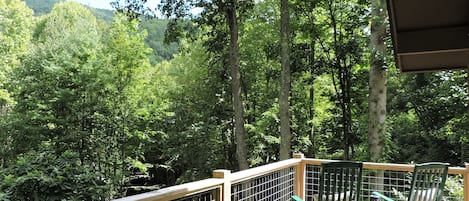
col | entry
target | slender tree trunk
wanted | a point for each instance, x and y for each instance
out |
(285, 133)
(343, 88)
(236, 88)
(377, 83)
(349, 138)
(377, 86)
(312, 148)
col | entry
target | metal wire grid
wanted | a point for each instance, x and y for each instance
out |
(395, 184)
(275, 186)
(311, 181)
(202, 196)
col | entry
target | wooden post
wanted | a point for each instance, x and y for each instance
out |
(466, 183)
(300, 172)
(224, 194)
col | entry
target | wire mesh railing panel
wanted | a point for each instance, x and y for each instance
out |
(202, 196)
(311, 181)
(395, 184)
(274, 186)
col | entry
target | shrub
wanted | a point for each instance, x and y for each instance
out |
(51, 176)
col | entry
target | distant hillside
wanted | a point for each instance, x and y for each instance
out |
(154, 27)
(103, 14)
(41, 7)
(154, 40)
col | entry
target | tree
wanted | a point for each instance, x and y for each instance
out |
(125, 59)
(76, 90)
(53, 81)
(285, 142)
(377, 86)
(214, 15)
(341, 41)
(57, 91)
(261, 70)
(377, 83)
(428, 111)
(47, 175)
(232, 18)
(15, 33)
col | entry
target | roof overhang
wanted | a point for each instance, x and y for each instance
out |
(430, 35)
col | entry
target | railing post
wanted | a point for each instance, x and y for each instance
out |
(466, 183)
(225, 192)
(300, 171)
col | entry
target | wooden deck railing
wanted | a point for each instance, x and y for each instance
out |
(276, 181)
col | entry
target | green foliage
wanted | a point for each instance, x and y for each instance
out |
(15, 33)
(77, 90)
(47, 175)
(86, 108)
(455, 188)
(154, 27)
(61, 23)
(51, 84)
(199, 129)
(430, 114)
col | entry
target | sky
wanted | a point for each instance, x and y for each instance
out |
(105, 4)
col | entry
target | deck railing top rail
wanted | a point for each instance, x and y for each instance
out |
(178, 191)
(265, 169)
(386, 166)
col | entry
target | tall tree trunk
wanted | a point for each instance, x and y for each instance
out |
(236, 88)
(341, 71)
(312, 148)
(285, 133)
(377, 86)
(345, 85)
(377, 83)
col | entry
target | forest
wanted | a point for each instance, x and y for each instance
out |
(96, 104)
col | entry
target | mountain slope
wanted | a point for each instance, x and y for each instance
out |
(154, 27)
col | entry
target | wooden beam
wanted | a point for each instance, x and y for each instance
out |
(393, 26)
(466, 183)
(178, 191)
(433, 60)
(225, 192)
(387, 166)
(446, 38)
(300, 175)
(265, 169)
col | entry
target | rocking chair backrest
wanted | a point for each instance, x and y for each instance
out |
(428, 182)
(340, 181)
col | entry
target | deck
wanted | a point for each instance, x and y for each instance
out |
(296, 176)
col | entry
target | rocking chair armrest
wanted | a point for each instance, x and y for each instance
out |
(296, 198)
(382, 196)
